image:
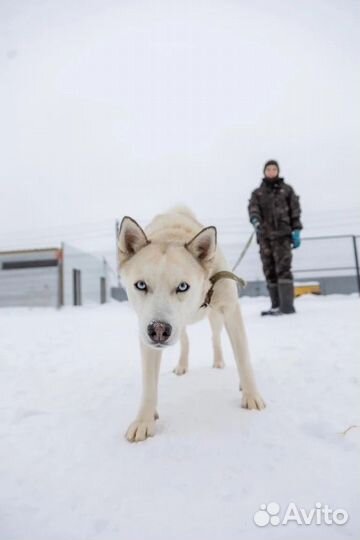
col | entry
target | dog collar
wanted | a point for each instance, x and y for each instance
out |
(223, 274)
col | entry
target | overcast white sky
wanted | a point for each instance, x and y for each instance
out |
(111, 107)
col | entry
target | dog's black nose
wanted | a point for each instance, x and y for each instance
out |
(159, 331)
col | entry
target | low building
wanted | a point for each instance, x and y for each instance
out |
(52, 277)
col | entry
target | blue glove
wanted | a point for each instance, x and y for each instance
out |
(295, 238)
(256, 224)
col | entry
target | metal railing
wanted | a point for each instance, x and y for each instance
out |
(332, 260)
(353, 239)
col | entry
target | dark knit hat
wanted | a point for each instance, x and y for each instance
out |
(271, 162)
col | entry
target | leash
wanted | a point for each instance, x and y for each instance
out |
(242, 254)
(215, 278)
(224, 274)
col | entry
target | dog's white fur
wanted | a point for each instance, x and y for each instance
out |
(175, 248)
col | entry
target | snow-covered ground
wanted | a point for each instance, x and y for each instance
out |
(70, 384)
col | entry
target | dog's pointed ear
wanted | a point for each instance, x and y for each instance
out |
(131, 238)
(203, 245)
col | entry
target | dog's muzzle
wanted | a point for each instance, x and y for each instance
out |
(159, 332)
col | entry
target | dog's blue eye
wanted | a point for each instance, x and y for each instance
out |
(182, 287)
(141, 285)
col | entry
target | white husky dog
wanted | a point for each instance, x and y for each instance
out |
(166, 270)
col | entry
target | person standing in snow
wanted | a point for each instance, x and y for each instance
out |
(274, 212)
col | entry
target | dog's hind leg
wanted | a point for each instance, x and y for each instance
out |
(216, 319)
(234, 325)
(183, 364)
(144, 424)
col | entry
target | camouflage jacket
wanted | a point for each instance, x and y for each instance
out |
(277, 207)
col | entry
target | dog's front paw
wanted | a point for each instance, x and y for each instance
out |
(180, 370)
(141, 429)
(252, 400)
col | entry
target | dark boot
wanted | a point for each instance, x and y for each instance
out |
(274, 295)
(275, 301)
(286, 295)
